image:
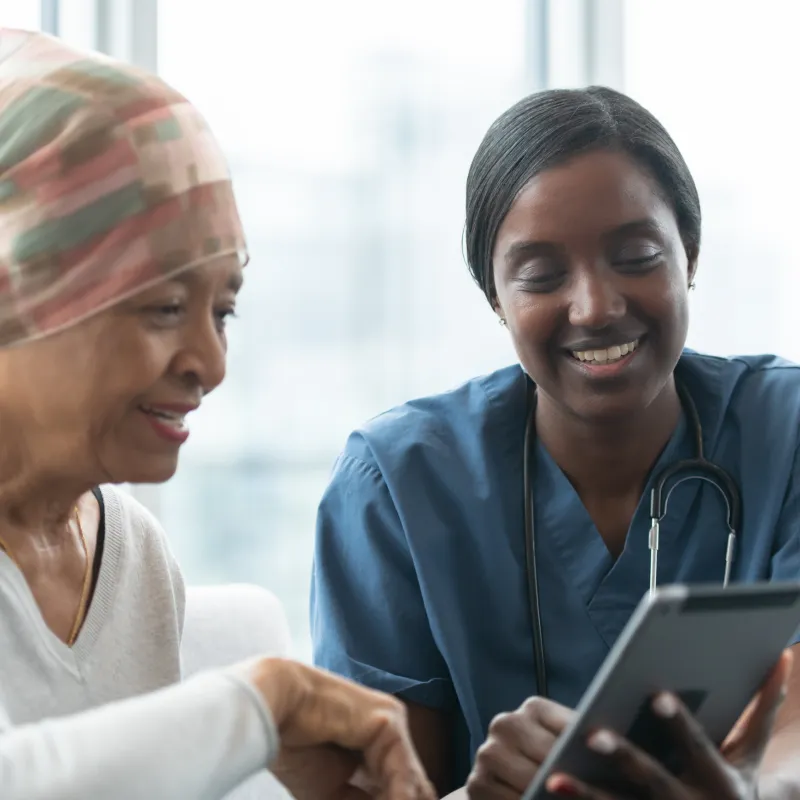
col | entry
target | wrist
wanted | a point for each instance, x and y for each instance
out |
(276, 680)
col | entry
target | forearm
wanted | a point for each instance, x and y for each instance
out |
(199, 739)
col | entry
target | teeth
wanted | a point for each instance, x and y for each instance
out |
(167, 415)
(609, 355)
(172, 418)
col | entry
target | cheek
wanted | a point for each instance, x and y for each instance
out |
(669, 303)
(101, 388)
(122, 381)
(55, 397)
(533, 319)
(532, 324)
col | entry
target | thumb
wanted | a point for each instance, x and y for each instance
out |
(746, 742)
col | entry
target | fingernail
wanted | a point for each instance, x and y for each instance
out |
(562, 786)
(603, 742)
(665, 705)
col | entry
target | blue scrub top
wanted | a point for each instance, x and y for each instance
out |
(419, 584)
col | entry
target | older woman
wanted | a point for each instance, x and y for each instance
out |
(121, 256)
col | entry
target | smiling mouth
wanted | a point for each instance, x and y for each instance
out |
(609, 355)
(172, 419)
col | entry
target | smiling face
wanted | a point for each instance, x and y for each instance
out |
(105, 400)
(591, 275)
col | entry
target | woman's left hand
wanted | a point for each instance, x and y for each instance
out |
(727, 773)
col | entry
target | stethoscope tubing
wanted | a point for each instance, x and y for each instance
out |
(664, 483)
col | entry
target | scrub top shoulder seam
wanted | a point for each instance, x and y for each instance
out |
(372, 469)
(778, 363)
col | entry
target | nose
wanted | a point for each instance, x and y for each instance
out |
(203, 356)
(595, 301)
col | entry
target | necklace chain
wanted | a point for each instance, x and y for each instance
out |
(87, 580)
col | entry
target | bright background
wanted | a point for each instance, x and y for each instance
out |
(350, 126)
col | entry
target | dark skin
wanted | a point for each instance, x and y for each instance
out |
(432, 732)
(590, 256)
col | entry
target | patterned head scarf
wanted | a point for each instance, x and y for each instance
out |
(110, 182)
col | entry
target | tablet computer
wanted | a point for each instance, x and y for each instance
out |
(710, 646)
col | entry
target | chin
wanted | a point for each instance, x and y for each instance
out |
(609, 406)
(146, 470)
(607, 412)
(615, 406)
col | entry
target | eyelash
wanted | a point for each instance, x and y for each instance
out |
(641, 259)
(225, 315)
(551, 283)
(644, 261)
(171, 308)
(175, 309)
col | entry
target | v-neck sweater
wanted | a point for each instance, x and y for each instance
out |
(107, 717)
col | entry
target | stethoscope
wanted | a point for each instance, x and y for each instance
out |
(664, 483)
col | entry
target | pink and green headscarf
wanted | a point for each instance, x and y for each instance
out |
(110, 182)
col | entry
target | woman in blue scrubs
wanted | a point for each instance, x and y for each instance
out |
(583, 231)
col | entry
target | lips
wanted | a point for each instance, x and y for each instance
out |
(169, 418)
(605, 355)
(172, 418)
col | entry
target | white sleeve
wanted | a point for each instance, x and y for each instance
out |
(196, 740)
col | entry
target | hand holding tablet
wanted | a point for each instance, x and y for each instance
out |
(662, 711)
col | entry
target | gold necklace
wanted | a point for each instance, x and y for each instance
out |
(87, 580)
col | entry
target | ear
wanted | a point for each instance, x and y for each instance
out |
(501, 317)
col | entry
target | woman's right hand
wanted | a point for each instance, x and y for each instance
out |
(336, 736)
(517, 744)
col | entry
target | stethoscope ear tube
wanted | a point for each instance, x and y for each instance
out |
(696, 469)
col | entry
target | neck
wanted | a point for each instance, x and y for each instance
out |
(611, 458)
(35, 512)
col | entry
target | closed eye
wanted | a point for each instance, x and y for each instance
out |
(541, 284)
(541, 276)
(639, 262)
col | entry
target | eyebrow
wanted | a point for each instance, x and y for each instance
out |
(234, 283)
(646, 225)
(519, 252)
